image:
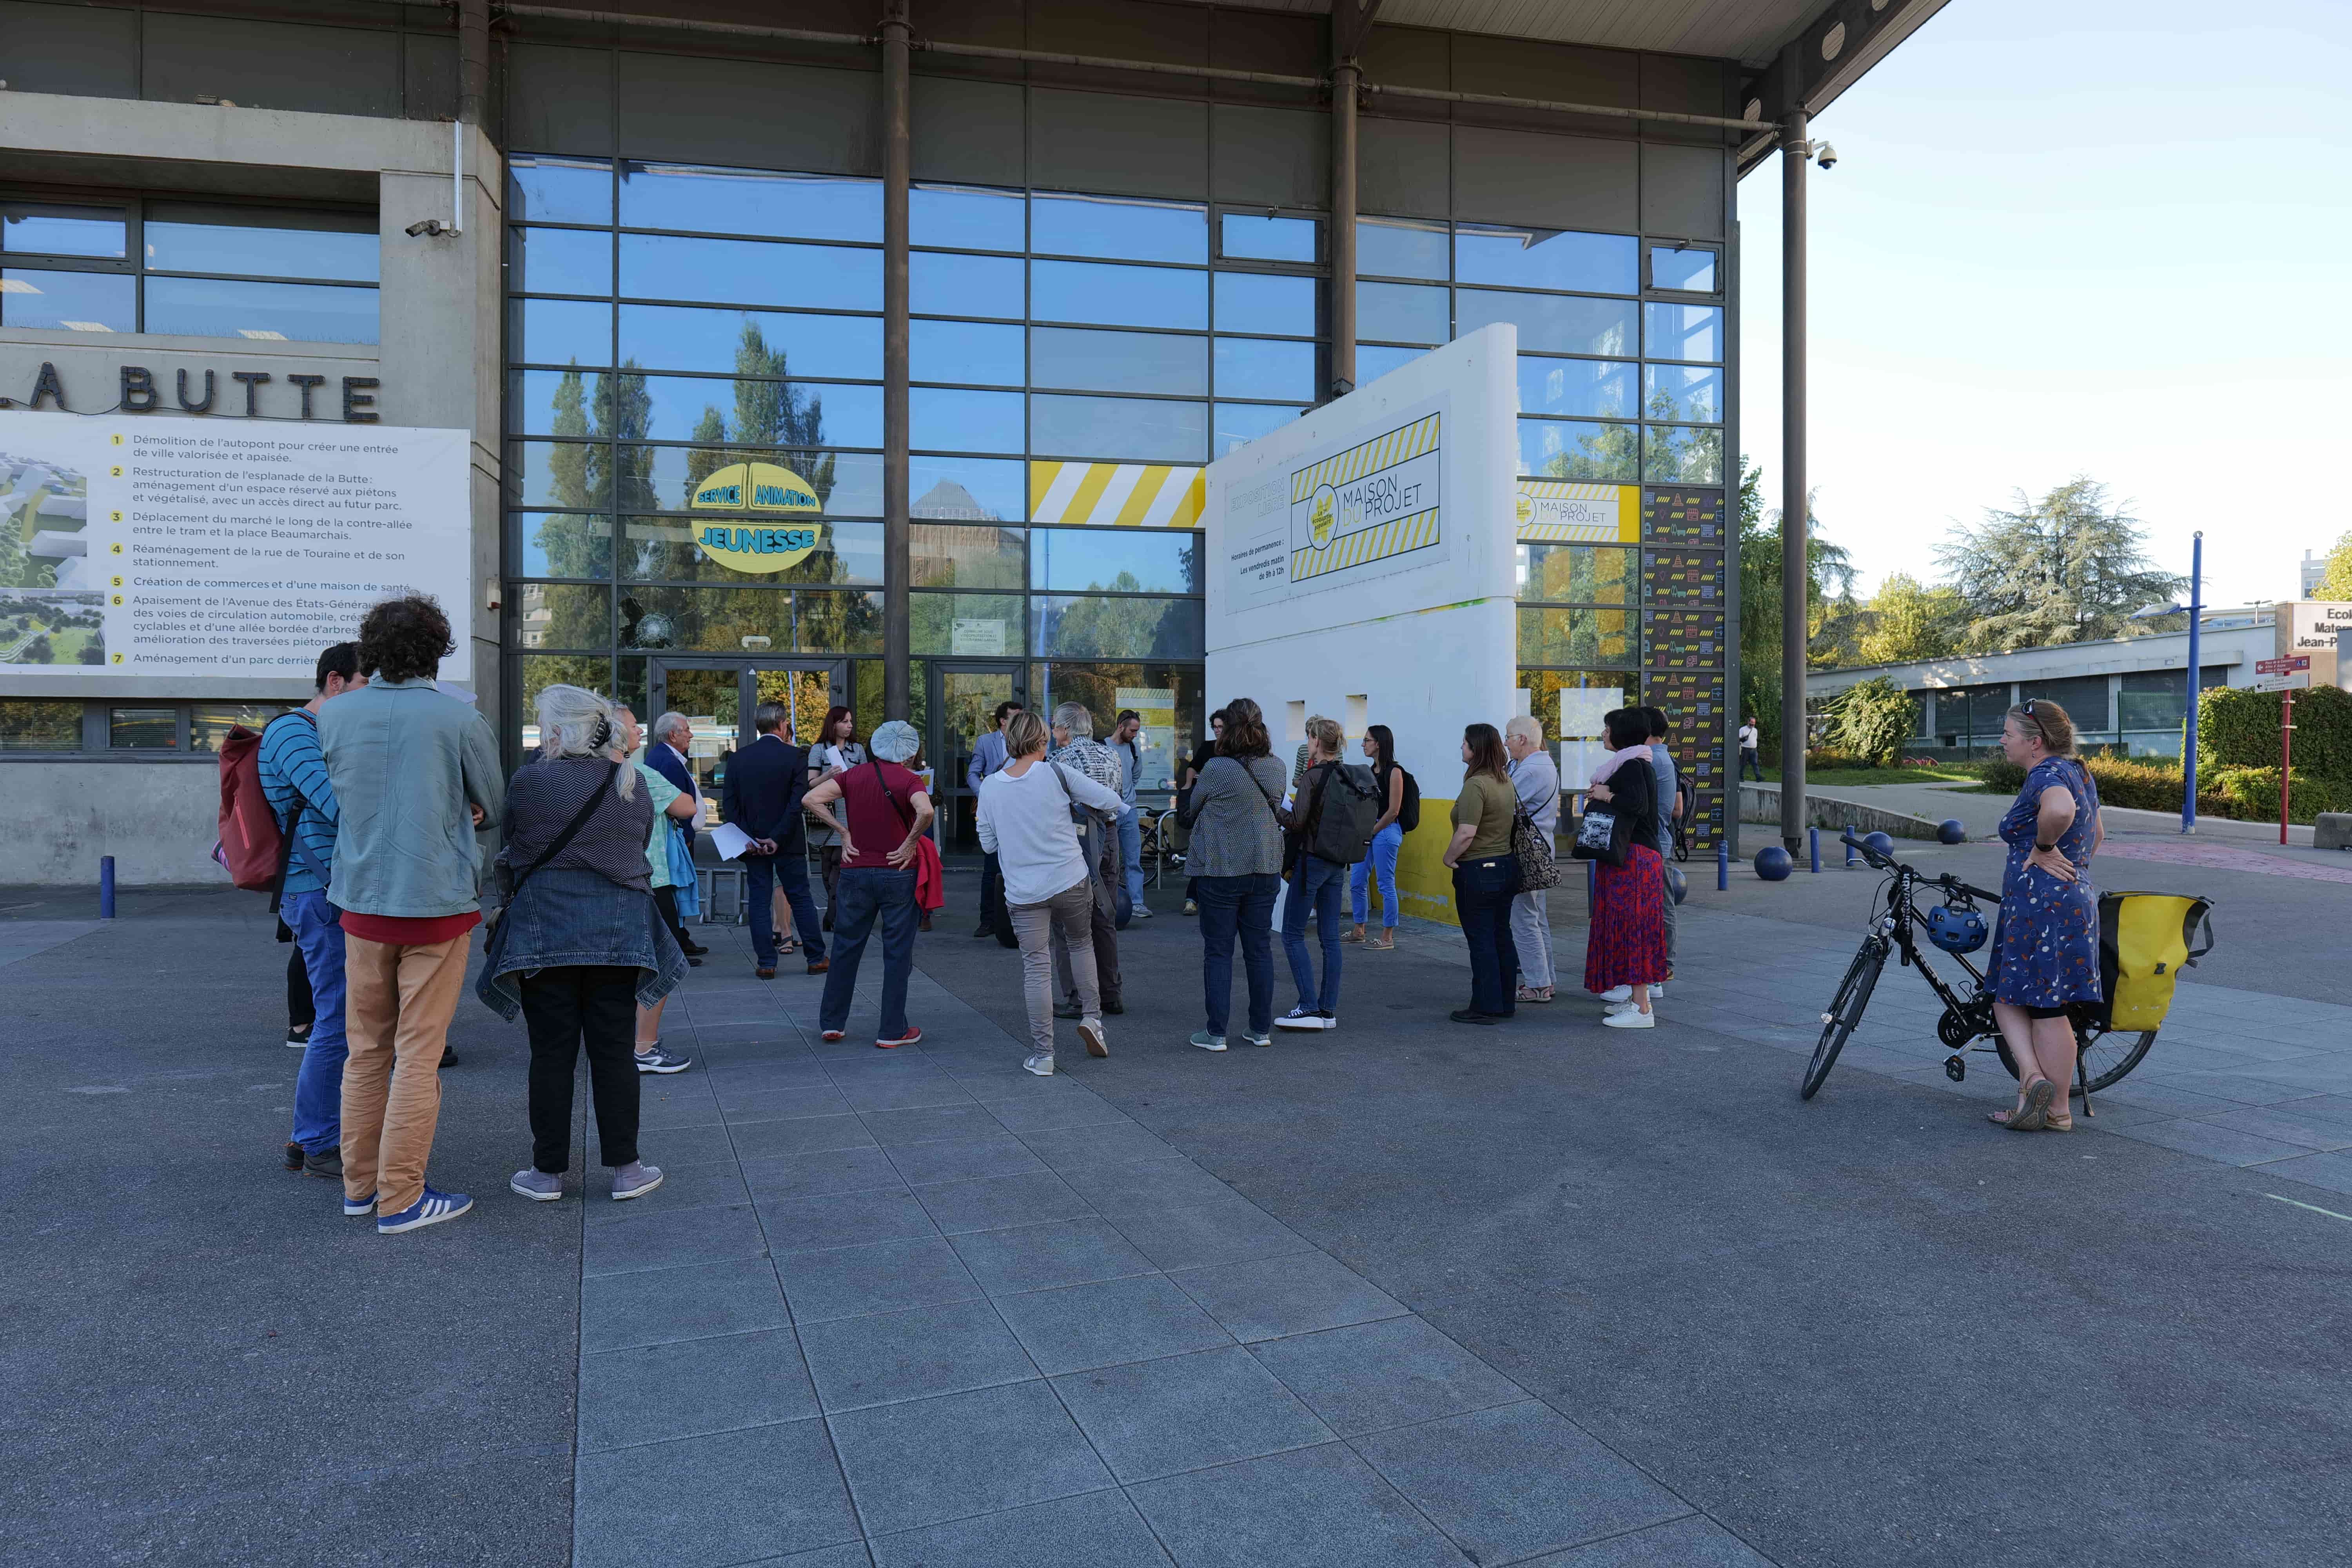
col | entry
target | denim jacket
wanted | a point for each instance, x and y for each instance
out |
(405, 761)
(565, 917)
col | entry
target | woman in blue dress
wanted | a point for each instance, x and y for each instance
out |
(2045, 950)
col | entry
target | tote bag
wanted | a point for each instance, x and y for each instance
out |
(1602, 834)
(1538, 869)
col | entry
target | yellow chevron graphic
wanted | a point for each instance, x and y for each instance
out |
(1382, 452)
(1621, 506)
(1394, 537)
(1117, 495)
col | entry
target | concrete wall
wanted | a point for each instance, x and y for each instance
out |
(158, 820)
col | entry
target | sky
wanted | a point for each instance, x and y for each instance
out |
(2093, 237)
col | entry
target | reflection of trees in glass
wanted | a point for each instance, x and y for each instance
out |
(581, 474)
(1120, 628)
(934, 616)
(1689, 455)
(1575, 637)
(839, 622)
(1609, 456)
(1578, 573)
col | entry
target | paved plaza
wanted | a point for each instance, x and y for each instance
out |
(1405, 1293)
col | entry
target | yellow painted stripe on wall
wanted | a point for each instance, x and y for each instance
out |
(1042, 476)
(1097, 480)
(1139, 498)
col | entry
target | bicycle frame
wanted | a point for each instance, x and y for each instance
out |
(1899, 920)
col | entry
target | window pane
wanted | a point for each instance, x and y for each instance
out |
(2084, 699)
(1692, 270)
(1118, 429)
(1374, 361)
(541, 189)
(1090, 628)
(942, 285)
(1121, 560)
(302, 313)
(143, 729)
(550, 473)
(1600, 388)
(264, 242)
(52, 228)
(1403, 311)
(563, 615)
(966, 623)
(663, 549)
(1400, 248)
(34, 724)
(1119, 361)
(1543, 688)
(1268, 239)
(965, 421)
(1547, 258)
(755, 412)
(1683, 331)
(715, 619)
(559, 261)
(1578, 450)
(560, 332)
(1238, 424)
(1256, 303)
(1262, 367)
(662, 479)
(1133, 229)
(969, 489)
(1549, 324)
(940, 556)
(1120, 296)
(965, 350)
(68, 301)
(1693, 455)
(750, 272)
(1576, 573)
(1576, 636)
(838, 623)
(2150, 699)
(675, 337)
(562, 544)
(210, 722)
(750, 201)
(965, 217)
(1683, 391)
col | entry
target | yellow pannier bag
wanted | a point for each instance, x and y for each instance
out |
(2146, 939)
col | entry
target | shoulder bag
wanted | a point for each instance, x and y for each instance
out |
(509, 881)
(1095, 845)
(1538, 868)
(1603, 833)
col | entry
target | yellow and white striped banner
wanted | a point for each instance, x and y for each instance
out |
(1117, 495)
(1566, 512)
(1386, 452)
(1394, 537)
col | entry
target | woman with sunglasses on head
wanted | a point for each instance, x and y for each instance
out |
(2045, 949)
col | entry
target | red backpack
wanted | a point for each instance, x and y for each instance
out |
(251, 847)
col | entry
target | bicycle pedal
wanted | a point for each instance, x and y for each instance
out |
(1829, 1017)
(1955, 1068)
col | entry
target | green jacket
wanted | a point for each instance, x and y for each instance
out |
(406, 761)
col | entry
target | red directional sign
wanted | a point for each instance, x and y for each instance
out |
(2284, 666)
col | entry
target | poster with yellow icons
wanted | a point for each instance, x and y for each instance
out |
(1364, 504)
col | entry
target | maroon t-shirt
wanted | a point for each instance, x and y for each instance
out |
(874, 825)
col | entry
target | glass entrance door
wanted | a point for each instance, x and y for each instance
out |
(965, 702)
(718, 698)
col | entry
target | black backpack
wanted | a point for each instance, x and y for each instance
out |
(1347, 803)
(1409, 811)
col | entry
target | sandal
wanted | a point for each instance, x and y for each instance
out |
(1386, 943)
(1535, 993)
(2032, 1112)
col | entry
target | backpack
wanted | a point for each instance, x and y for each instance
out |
(1409, 811)
(1347, 803)
(251, 846)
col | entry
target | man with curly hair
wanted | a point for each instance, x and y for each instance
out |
(415, 775)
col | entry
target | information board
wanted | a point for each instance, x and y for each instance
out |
(135, 547)
(1362, 506)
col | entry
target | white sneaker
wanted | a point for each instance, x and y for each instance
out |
(1307, 1018)
(1041, 1064)
(1631, 1018)
(1140, 913)
(1622, 1007)
(1658, 991)
(1617, 994)
(1097, 1044)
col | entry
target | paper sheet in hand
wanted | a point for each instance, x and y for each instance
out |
(730, 840)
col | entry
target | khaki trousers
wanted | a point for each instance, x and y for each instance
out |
(399, 1001)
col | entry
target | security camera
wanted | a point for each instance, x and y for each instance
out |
(431, 228)
(1825, 155)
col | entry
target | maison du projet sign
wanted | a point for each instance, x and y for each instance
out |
(250, 394)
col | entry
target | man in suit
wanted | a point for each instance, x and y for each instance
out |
(765, 782)
(672, 734)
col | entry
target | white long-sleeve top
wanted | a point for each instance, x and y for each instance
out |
(1025, 821)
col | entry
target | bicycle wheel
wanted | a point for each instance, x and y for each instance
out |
(2107, 1054)
(1845, 1013)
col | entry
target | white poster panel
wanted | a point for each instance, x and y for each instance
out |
(1359, 505)
(140, 548)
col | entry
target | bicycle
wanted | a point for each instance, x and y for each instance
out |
(1968, 1014)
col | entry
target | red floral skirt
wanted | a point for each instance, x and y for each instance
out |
(1626, 945)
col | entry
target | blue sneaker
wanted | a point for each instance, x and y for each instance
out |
(355, 1207)
(431, 1209)
(658, 1060)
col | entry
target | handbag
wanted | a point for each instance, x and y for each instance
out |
(1110, 888)
(1602, 834)
(931, 875)
(1538, 868)
(510, 881)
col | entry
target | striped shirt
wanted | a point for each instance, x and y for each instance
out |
(544, 797)
(293, 772)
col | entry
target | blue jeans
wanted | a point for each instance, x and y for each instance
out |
(1383, 859)
(1482, 897)
(760, 874)
(1130, 853)
(1319, 885)
(1241, 906)
(317, 932)
(860, 898)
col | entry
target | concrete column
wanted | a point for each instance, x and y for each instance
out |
(898, 618)
(1794, 579)
(1345, 75)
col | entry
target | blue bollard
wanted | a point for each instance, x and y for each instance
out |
(1813, 840)
(106, 887)
(1723, 866)
(1849, 849)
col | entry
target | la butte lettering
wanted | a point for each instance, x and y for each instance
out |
(140, 394)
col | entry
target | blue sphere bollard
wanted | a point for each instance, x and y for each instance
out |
(1951, 830)
(1723, 866)
(1677, 885)
(1773, 865)
(1882, 842)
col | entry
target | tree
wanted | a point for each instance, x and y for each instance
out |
(2336, 583)
(1872, 719)
(2062, 568)
(1828, 599)
(1908, 620)
(772, 421)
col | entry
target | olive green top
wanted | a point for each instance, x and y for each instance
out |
(1486, 803)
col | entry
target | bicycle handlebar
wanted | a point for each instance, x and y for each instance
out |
(1884, 862)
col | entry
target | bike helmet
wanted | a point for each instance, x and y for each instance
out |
(1957, 927)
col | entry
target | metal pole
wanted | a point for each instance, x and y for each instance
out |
(1722, 864)
(2196, 683)
(106, 887)
(2286, 755)
(1793, 576)
(898, 619)
(1813, 847)
(1345, 75)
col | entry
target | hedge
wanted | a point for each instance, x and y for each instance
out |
(2238, 727)
(2254, 793)
(2245, 794)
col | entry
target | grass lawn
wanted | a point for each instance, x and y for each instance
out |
(1849, 776)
